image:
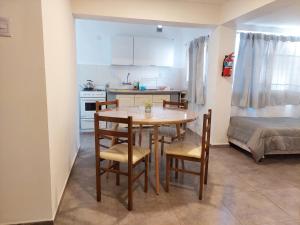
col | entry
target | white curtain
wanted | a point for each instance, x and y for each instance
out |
(196, 70)
(267, 71)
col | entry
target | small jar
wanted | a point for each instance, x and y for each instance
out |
(147, 109)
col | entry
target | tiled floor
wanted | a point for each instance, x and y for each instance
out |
(239, 192)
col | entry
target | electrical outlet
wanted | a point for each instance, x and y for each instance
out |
(4, 27)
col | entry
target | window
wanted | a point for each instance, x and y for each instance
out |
(286, 67)
(267, 70)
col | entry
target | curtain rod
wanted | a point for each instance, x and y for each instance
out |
(267, 32)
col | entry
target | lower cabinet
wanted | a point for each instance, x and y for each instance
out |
(125, 100)
(140, 100)
(157, 100)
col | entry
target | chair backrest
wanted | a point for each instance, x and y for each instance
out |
(113, 132)
(181, 105)
(99, 105)
(206, 128)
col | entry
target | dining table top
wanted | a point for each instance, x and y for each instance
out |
(158, 115)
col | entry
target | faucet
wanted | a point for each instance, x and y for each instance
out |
(127, 80)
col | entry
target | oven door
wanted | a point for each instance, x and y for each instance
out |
(88, 107)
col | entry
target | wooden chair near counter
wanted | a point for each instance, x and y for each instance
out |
(170, 131)
(167, 134)
(191, 152)
(115, 126)
(119, 153)
(111, 104)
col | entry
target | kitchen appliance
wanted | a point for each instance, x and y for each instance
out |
(89, 86)
(88, 107)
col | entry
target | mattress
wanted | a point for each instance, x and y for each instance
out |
(266, 135)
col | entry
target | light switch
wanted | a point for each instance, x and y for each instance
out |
(4, 27)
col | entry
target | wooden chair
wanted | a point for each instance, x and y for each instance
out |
(119, 153)
(167, 134)
(107, 104)
(191, 152)
(111, 104)
(181, 105)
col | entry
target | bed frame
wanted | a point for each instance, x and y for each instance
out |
(244, 147)
(239, 144)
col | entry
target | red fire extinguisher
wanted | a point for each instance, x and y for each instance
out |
(227, 65)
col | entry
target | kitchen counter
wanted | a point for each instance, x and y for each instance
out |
(146, 92)
(136, 97)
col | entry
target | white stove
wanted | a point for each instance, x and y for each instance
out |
(92, 94)
(88, 107)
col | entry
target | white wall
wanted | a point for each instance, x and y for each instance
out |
(25, 190)
(185, 12)
(219, 89)
(152, 77)
(222, 43)
(38, 141)
(60, 69)
(233, 9)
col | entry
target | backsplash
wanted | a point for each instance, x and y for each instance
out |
(152, 77)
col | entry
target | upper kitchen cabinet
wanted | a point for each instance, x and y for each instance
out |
(122, 50)
(150, 51)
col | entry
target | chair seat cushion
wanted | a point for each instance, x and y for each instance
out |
(169, 131)
(119, 153)
(184, 149)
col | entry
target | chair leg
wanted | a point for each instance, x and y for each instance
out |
(176, 168)
(98, 180)
(117, 174)
(109, 165)
(133, 138)
(129, 189)
(201, 182)
(162, 145)
(140, 135)
(206, 171)
(167, 173)
(182, 164)
(146, 173)
(150, 146)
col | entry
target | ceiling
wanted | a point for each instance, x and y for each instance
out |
(205, 1)
(278, 17)
(284, 17)
(199, 1)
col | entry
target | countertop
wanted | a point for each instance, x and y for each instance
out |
(152, 92)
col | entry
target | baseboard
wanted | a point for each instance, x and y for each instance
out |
(223, 145)
(50, 222)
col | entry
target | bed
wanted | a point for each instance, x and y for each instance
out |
(265, 135)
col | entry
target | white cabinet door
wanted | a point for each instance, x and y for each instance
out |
(160, 98)
(122, 50)
(149, 51)
(140, 100)
(125, 100)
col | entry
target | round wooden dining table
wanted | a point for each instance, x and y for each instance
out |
(158, 116)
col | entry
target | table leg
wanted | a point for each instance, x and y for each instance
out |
(179, 139)
(156, 153)
(140, 135)
(178, 131)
